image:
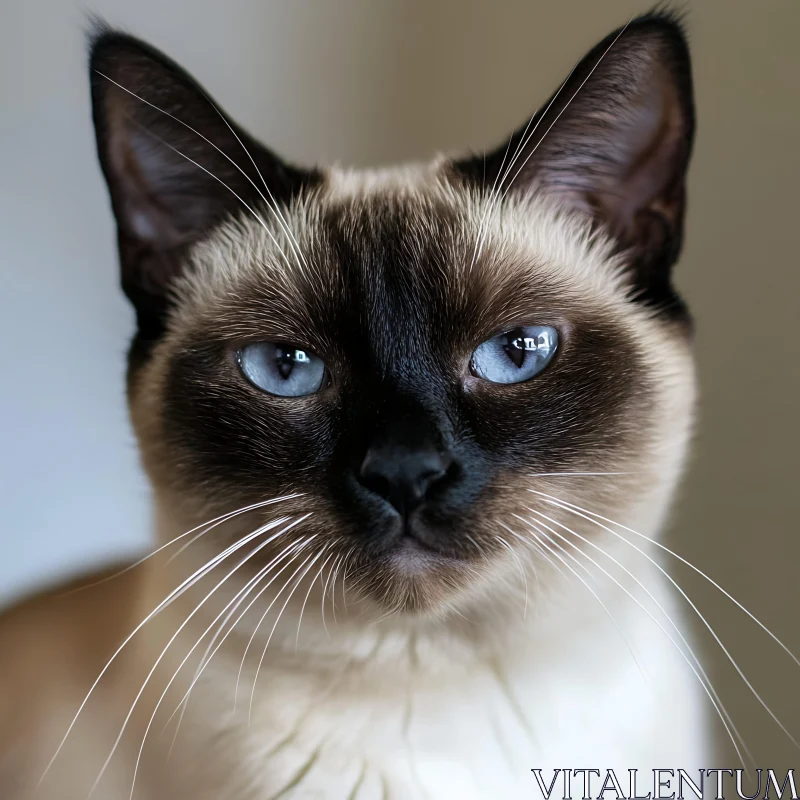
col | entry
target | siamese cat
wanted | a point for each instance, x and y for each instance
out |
(412, 434)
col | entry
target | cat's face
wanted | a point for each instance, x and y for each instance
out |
(429, 361)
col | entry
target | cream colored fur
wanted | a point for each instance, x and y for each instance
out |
(525, 668)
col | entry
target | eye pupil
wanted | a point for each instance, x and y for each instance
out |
(515, 350)
(287, 358)
(284, 362)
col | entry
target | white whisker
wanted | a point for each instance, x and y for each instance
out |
(568, 104)
(573, 474)
(305, 600)
(510, 549)
(231, 602)
(703, 676)
(225, 155)
(691, 566)
(290, 550)
(219, 180)
(260, 622)
(277, 620)
(608, 613)
(683, 655)
(347, 565)
(274, 207)
(567, 507)
(173, 595)
(700, 672)
(526, 137)
(175, 635)
(497, 193)
(331, 576)
(211, 523)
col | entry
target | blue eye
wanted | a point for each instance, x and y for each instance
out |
(281, 369)
(515, 356)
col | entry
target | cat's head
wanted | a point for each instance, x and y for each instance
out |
(431, 362)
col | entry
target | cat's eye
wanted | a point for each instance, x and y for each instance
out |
(516, 355)
(282, 369)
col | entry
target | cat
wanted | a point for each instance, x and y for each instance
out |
(411, 433)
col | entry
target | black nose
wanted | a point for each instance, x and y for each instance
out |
(403, 476)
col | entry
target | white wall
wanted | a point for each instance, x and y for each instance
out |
(365, 81)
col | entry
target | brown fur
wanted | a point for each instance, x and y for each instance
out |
(392, 278)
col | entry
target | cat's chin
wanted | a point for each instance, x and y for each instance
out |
(413, 557)
(415, 578)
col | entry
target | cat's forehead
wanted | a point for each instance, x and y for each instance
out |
(386, 246)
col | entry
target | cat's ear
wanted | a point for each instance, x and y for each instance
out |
(175, 166)
(614, 141)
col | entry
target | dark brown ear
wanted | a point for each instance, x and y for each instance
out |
(614, 141)
(174, 166)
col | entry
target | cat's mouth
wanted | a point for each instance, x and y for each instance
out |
(413, 556)
(409, 540)
(417, 550)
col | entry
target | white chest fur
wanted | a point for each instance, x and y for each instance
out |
(410, 715)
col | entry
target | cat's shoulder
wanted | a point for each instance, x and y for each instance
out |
(53, 644)
(76, 620)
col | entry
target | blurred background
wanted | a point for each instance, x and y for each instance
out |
(364, 83)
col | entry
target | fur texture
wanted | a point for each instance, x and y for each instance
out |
(503, 623)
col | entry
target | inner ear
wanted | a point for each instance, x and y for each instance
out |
(176, 166)
(614, 142)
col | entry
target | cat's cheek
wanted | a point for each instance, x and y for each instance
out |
(234, 437)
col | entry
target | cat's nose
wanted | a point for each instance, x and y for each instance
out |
(403, 476)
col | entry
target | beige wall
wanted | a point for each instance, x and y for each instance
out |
(372, 81)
